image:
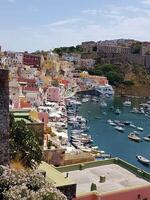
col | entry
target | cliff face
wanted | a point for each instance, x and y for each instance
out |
(141, 82)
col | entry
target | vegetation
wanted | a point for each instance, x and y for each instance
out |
(55, 83)
(136, 48)
(110, 71)
(24, 146)
(26, 185)
(93, 187)
(71, 49)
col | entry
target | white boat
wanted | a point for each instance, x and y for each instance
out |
(147, 138)
(103, 104)
(119, 128)
(143, 159)
(84, 100)
(140, 129)
(134, 136)
(127, 103)
(112, 123)
(117, 112)
(105, 89)
(132, 125)
(109, 120)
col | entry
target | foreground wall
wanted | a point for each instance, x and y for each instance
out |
(4, 117)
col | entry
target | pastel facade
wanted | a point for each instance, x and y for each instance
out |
(54, 94)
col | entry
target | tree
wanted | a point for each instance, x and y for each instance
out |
(24, 145)
(136, 48)
(26, 185)
(114, 78)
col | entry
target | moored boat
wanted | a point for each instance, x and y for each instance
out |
(140, 128)
(143, 159)
(127, 103)
(147, 138)
(134, 136)
(119, 128)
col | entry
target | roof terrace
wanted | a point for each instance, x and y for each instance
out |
(109, 176)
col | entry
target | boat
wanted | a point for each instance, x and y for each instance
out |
(127, 122)
(119, 128)
(140, 128)
(117, 112)
(84, 100)
(132, 125)
(103, 104)
(147, 138)
(134, 136)
(105, 89)
(112, 123)
(143, 159)
(109, 121)
(127, 103)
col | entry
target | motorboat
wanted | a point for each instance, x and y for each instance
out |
(127, 122)
(127, 103)
(132, 125)
(140, 129)
(112, 123)
(147, 138)
(117, 112)
(103, 104)
(84, 100)
(119, 128)
(109, 121)
(143, 159)
(134, 136)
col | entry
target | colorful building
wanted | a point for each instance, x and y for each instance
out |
(31, 59)
(54, 94)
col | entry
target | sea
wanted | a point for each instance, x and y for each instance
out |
(112, 141)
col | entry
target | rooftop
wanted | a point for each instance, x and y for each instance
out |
(118, 174)
(54, 176)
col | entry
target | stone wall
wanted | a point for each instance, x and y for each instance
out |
(4, 117)
(55, 157)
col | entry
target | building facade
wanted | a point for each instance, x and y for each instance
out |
(4, 117)
(31, 60)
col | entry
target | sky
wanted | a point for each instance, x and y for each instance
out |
(45, 24)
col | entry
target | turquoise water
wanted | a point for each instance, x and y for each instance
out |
(109, 139)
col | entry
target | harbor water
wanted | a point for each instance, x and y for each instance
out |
(112, 141)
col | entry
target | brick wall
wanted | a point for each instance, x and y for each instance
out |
(4, 117)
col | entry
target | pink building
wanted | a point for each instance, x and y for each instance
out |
(54, 94)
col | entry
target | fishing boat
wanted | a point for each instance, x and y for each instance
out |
(140, 128)
(119, 128)
(127, 122)
(127, 103)
(134, 136)
(143, 159)
(147, 138)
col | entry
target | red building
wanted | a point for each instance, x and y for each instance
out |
(31, 59)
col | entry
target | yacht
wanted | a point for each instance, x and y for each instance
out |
(134, 136)
(143, 159)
